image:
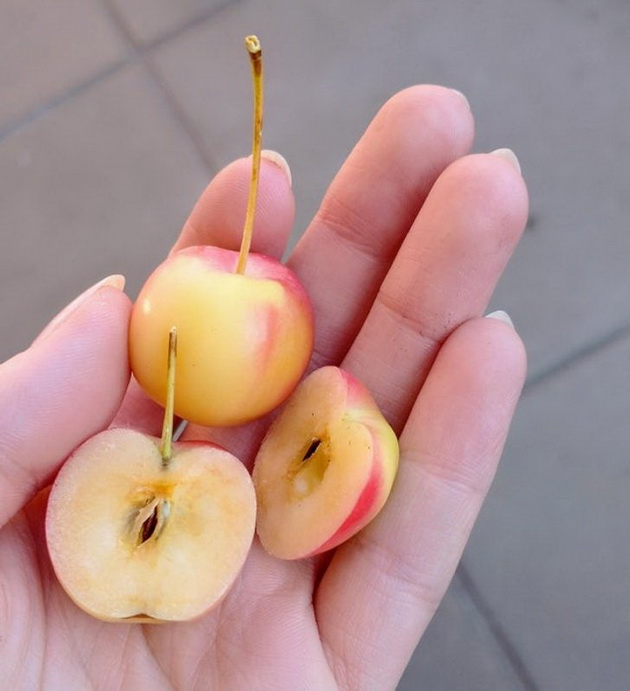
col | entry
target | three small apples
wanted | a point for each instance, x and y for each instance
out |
(146, 529)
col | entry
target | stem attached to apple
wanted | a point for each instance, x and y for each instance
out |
(255, 57)
(166, 448)
(244, 322)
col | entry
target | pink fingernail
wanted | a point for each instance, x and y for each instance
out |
(115, 281)
(508, 155)
(278, 160)
(501, 316)
(462, 96)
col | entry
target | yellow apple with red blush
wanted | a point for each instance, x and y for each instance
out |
(244, 339)
(244, 322)
(325, 467)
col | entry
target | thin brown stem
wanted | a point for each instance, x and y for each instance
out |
(255, 57)
(167, 427)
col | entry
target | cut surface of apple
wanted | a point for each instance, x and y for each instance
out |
(131, 538)
(325, 467)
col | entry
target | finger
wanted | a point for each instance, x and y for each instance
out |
(371, 205)
(363, 219)
(66, 387)
(219, 215)
(386, 583)
(217, 219)
(443, 275)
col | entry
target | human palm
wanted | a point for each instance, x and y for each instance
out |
(400, 262)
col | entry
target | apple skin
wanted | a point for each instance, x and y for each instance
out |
(244, 341)
(95, 514)
(308, 507)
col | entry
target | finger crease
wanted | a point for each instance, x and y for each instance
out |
(449, 471)
(402, 574)
(409, 320)
(356, 232)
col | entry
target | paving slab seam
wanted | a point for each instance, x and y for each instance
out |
(497, 631)
(575, 357)
(194, 135)
(41, 110)
(142, 54)
(483, 608)
(200, 18)
(137, 53)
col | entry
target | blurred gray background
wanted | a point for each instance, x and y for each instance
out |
(114, 114)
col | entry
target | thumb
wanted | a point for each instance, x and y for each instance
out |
(63, 389)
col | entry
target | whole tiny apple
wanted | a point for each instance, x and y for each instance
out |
(244, 340)
(325, 467)
(245, 323)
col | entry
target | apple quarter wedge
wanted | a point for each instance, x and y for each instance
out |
(325, 467)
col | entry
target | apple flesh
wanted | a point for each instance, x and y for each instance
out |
(325, 467)
(244, 339)
(132, 538)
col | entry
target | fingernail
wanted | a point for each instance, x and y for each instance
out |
(508, 155)
(461, 95)
(115, 281)
(279, 160)
(501, 316)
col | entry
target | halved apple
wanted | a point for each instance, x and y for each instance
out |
(136, 539)
(325, 467)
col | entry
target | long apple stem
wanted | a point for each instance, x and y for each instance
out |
(167, 426)
(255, 57)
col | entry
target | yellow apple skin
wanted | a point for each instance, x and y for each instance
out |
(309, 506)
(102, 549)
(244, 341)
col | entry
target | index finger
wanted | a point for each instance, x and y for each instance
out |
(219, 215)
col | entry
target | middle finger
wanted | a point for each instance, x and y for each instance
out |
(443, 275)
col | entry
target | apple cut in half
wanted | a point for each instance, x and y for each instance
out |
(325, 467)
(135, 538)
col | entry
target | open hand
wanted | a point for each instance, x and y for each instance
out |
(400, 263)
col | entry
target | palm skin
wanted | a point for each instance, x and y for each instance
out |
(400, 262)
